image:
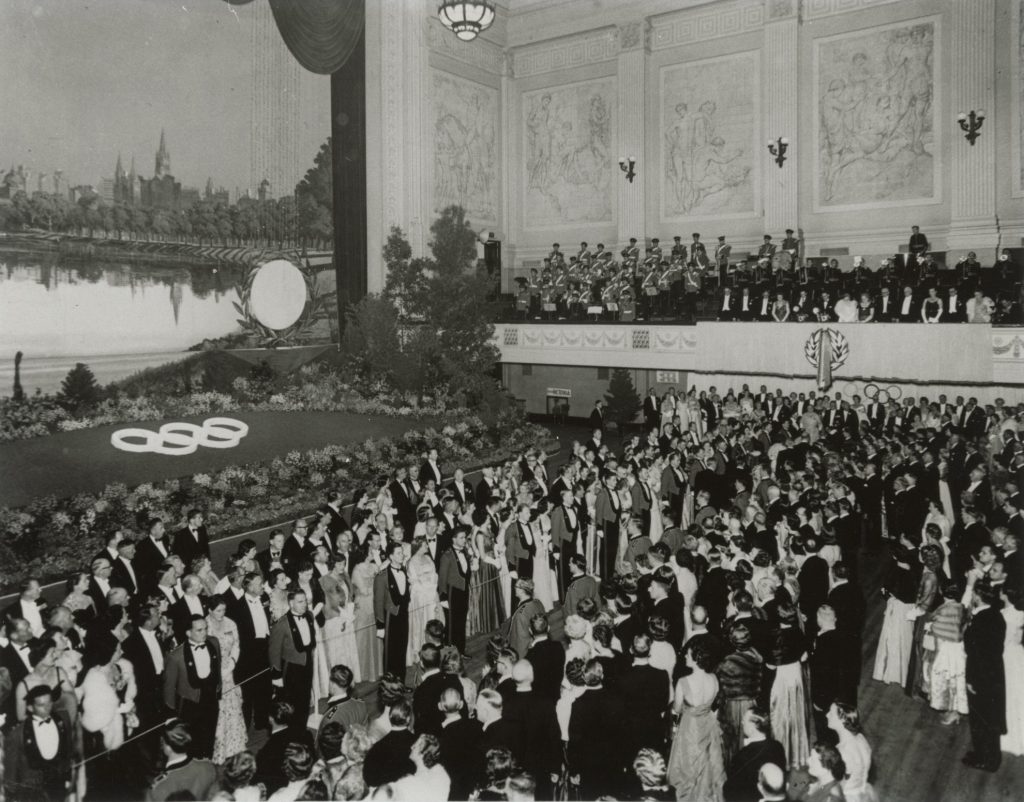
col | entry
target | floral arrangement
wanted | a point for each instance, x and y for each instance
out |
(313, 387)
(50, 538)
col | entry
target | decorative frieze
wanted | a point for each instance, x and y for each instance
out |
(563, 54)
(691, 27)
(479, 53)
(815, 9)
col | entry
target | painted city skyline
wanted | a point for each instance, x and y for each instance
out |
(92, 84)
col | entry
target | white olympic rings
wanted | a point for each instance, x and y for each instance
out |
(181, 439)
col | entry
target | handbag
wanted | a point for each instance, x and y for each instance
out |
(928, 642)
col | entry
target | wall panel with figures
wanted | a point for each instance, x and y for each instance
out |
(525, 125)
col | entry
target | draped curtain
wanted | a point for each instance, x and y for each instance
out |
(321, 34)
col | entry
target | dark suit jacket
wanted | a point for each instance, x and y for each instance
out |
(813, 579)
(499, 735)
(180, 677)
(181, 616)
(644, 691)
(270, 758)
(596, 420)
(149, 682)
(741, 773)
(388, 759)
(595, 750)
(292, 554)
(26, 774)
(983, 642)
(540, 739)
(264, 560)
(548, 660)
(462, 756)
(147, 561)
(831, 677)
(426, 717)
(189, 547)
(253, 655)
(120, 578)
(450, 575)
(848, 602)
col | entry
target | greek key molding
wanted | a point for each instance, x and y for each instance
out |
(479, 53)
(658, 339)
(687, 27)
(815, 9)
(564, 54)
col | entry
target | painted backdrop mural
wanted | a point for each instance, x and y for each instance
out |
(876, 134)
(465, 146)
(569, 154)
(708, 126)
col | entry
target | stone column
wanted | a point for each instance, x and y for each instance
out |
(510, 175)
(973, 167)
(632, 67)
(780, 113)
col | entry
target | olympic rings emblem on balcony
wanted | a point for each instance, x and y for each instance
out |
(181, 439)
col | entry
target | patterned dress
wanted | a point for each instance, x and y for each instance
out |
(231, 735)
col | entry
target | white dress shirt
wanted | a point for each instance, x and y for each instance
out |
(131, 571)
(22, 652)
(260, 626)
(908, 300)
(102, 584)
(30, 612)
(461, 557)
(47, 737)
(201, 655)
(399, 580)
(303, 626)
(195, 606)
(149, 636)
(160, 546)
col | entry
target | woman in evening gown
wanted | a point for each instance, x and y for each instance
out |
(897, 639)
(368, 645)
(231, 735)
(486, 600)
(918, 682)
(696, 768)
(338, 636)
(790, 714)
(545, 582)
(424, 602)
(855, 750)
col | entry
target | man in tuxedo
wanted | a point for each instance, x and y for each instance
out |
(426, 713)
(596, 420)
(652, 410)
(291, 648)
(668, 605)
(333, 508)
(122, 574)
(272, 557)
(759, 750)
(459, 737)
(151, 553)
(15, 657)
(405, 503)
(296, 548)
(192, 685)
(486, 489)
(99, 583)
(39, 751)
(565, 531)
(391, 609)
(533, 717)
(453, 588)
(270, 758)
(908, 310)
(832, 678)
(142, 647)
(431, 470)
(547, 658)
(606, 518)
(28, 606)
(814, 583)
(645, 696)
(252, 668)
(986, 680)
(190, 604)
(847, 600)
(520, 546)
(727, 305)
(595, 750)
(497, 733)
(193, 540)
(462, 490)
(388, 759)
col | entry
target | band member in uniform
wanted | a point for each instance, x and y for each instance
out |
(292, 646)
(792, 245)
(606, 517)
(722, 253)
(655, 250)
(584, 256)
(767, 249)
(519, 635)
(917, 247)
(520, 546)
(533, 287)
(698, 253)
(678, 250)
(556, 257)
(692, 284)
(649, 288)
(631, 251)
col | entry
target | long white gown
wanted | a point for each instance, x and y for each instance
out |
(1013, 663)
(545, 583)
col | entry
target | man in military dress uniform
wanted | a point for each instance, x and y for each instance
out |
(181, 773)
(339, 706)
(192, 682)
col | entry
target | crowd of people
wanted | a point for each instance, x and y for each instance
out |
(708, 577)
(771, 284)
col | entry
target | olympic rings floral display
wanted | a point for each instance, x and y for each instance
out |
(180, 439)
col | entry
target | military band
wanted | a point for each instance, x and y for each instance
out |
(670, 283)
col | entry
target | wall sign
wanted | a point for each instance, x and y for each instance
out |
(559, 392)
(667, 377)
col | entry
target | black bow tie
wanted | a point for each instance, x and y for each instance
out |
(275, 555)
(199, 646)
(44, 721)
(22, 648)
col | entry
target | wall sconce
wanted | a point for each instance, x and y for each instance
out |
(628, 166)
(971, 124)
(778, 148)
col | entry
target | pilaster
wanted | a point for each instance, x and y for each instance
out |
(633, 47)
(781, 186)
(973, 222)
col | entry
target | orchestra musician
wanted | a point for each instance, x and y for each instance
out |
(767, 249)
(649, 288)
(722, 253)
(584, 254)
(533, 286)
(693, 284)
(678, 250)
(655, 250)
(791, 245)
(631, 251)
(556, 257)
(698, 253)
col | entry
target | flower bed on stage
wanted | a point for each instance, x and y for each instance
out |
(312, 388)
(51, 538)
